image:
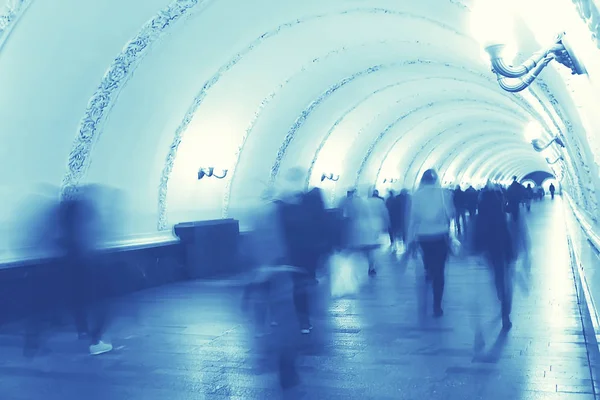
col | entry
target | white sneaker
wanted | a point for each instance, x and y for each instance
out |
(306, 331)
(100, 348)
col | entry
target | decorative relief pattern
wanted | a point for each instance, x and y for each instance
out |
(494, 107)
(315, 103)
(425, 145)
(457, 150)
(11, 13)
(515, 97)
(585, 197)
(197, 102)
(460, 4)
(113, 81)
(340, 120)
(289, 137)
(300, 120)
(591, 16)
(267, 100)
(354, 107)
(430, 146)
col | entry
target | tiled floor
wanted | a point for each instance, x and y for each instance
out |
(191, 341)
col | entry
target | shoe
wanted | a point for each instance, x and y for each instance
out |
(306, 331)
(100, 348)
(289, 380)
(372, 272)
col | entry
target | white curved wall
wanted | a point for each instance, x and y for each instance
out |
(367, 91)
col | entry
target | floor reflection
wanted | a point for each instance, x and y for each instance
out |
(194, 340)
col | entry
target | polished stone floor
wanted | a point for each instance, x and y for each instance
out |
(192, 341)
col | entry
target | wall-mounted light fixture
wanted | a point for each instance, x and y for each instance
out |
(528, 71)
(210, 172)
(391, 180)
(559, 158)
(330, 177)
(538, 146)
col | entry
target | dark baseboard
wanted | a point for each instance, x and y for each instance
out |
(39, 286)
(33, 287)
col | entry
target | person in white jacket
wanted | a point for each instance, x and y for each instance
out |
(429, 226)
(368, 219)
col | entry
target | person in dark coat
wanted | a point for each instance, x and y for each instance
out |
(460, 205)
(494, 242)
(515, 196)
(79, 226)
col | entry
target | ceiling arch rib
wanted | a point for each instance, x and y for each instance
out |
(450, 113)
(9, 16)
(263, 104)
(524, 169)
(503, 167)
(304, 115)
(470, 129)
(298, 125)
(304, 69)
(514, 168)
(317, 102)
(532, 111)
(390, 147)
(453, 147)
(490, 158)
(527, 164)
(459, 109)
(460, 160)
(363, 102)
(326, 19)
(453, 106)
(217, 64)
(475, 115)
(563, 128)
(488, 162)
(329, 91)
(528, 108)
(225, 207)
(470, 172)
(416, 168)
(115, 78)
(227, 198)
(454, 151)
(437, 144)
(449, 163)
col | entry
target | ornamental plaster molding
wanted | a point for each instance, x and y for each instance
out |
(113, 81)
(9, 16)
(212, 81)
(589, 13)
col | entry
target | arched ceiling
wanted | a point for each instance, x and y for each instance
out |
(366, 90)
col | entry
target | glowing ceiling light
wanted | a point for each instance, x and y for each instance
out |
(532, 131)
(492, 24)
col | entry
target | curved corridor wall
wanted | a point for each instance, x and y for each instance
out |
(366, 92)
